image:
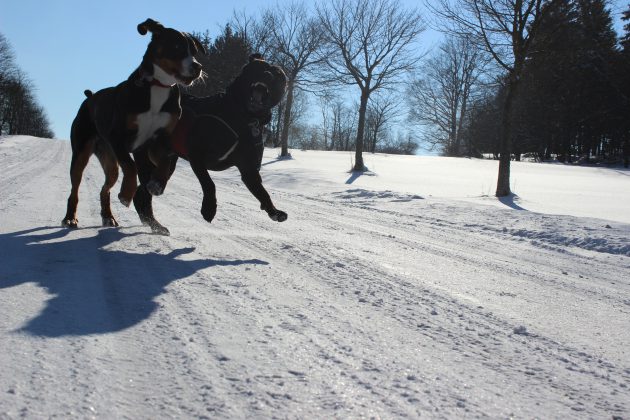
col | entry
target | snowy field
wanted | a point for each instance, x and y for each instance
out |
(407, 292)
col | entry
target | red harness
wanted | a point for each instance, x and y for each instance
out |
(178, 138)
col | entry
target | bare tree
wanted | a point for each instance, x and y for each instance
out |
(325, 124)
(254, 30)
(298, 110)
(506, 29)
(8, 73)
(439, 99)
(403, 144)
(19, 111)
(370, 46)
(294, 38)
(380, 111)
(7, 59)
(342, 124)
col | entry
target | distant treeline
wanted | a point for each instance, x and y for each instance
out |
(19, 111)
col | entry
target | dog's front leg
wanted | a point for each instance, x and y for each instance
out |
(209, 204)
(142, 200)
(130, 172)
(253, 182)
(163, 157)
(164, 160)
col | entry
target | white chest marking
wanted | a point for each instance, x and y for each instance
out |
(152, 120)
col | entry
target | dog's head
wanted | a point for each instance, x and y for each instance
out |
(260, 84)
(170, 54)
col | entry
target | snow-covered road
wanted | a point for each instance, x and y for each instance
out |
(364, 303)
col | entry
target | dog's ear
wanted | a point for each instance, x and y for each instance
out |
(196, 43)
(256, 56)
(150, 25)
(278, 86)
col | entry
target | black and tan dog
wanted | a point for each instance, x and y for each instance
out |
(116, 121)
(216, 133)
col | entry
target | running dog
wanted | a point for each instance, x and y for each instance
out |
(119, 120)
(216, 133)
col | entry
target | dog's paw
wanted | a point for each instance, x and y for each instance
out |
(110, 222)
(126, 201)
(155, 226)
(158, 229)
(155, 187)
(209, 209)
(277, 215)
(70, 223)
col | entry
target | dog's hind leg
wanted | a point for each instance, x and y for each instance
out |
(110, 167)
(143, 200)
(83, 138)
(79, 161)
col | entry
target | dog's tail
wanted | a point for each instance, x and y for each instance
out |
(88, 93)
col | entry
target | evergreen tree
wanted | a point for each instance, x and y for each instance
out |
(597, 56)
(574, 89)
(223, 62)
(546, 108)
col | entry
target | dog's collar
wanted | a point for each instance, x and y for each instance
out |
(156, 82)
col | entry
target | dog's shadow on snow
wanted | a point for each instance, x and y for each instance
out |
(94, 290)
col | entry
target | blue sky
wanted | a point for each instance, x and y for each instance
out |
(67, 46)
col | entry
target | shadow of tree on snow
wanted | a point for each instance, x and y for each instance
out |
(354, 175)
(510, 201)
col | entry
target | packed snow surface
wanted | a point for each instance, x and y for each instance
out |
(409, 291)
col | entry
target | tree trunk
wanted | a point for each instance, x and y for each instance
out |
(286, 123)
(358, 161)
(503, 180)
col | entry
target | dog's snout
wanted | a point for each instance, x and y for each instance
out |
(257, 97)
(196, 66)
